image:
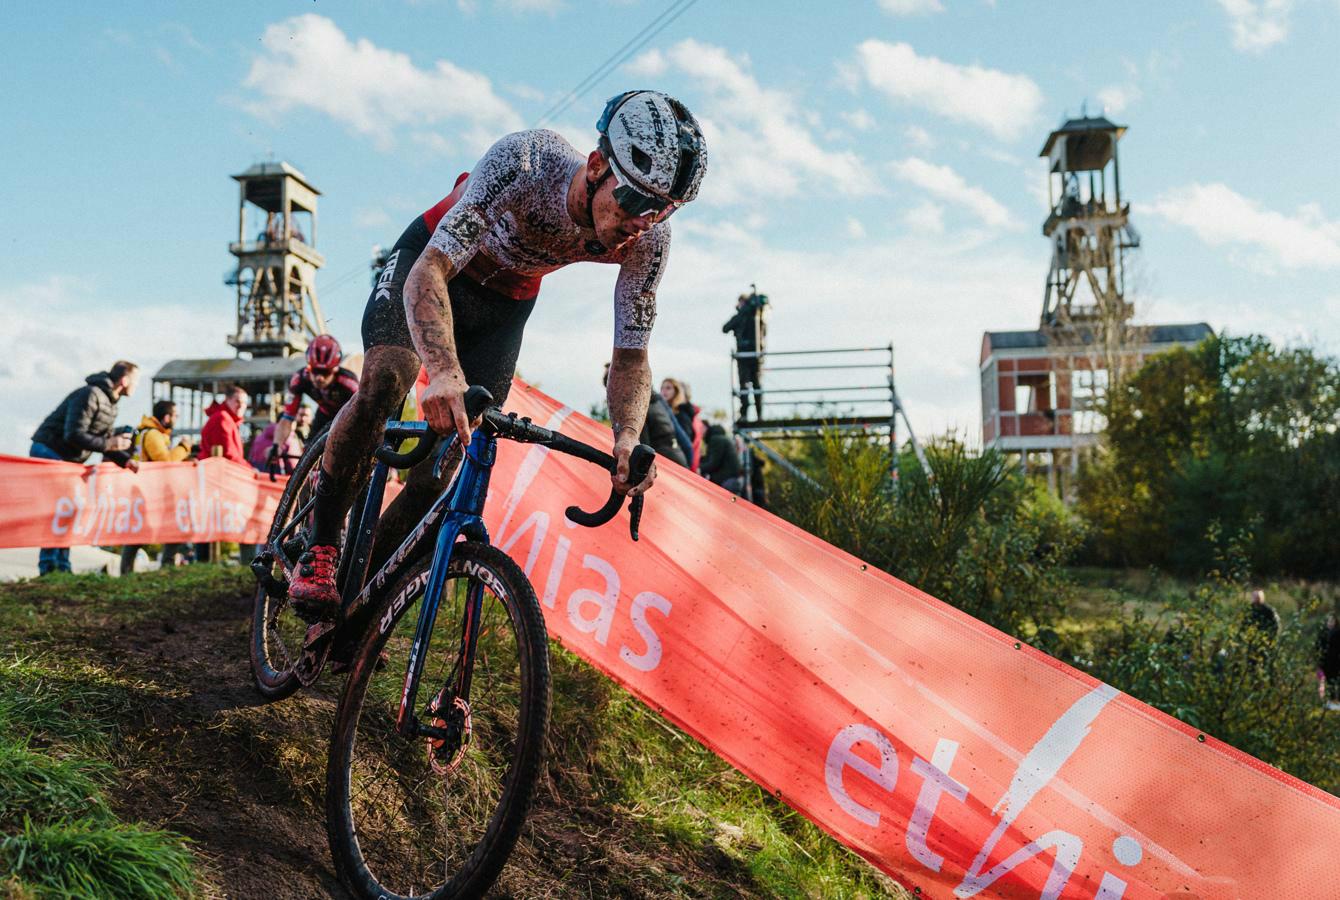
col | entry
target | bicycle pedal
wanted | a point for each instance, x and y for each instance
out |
(313, 615)
(315, 648)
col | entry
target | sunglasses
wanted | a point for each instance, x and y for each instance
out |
(323, 373)
(635, 203)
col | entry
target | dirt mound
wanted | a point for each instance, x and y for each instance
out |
(198, 753)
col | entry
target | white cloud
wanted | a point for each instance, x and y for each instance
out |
(1258, 24)
(53, 339)
(1221, 217)
(1115, 98)
(308, 62)
(651, 64)
(932, 297)
(854, 228)
(758, 140)
(859, 119)
(1003, 103)
(925, 218)
(372, 218)
(432, 142)
(911, 7)
(946, 184)
(919, 137)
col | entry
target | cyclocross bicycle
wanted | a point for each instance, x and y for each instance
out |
(431, 765)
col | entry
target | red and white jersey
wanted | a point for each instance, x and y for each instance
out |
(513, 211)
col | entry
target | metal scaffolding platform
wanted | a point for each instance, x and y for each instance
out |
(830, 395)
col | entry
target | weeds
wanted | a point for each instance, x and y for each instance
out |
(59, 712)
(87, 858)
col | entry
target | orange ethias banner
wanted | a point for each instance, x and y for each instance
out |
(956, 759)
(58, 504)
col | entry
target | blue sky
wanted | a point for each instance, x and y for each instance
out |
(874, 169)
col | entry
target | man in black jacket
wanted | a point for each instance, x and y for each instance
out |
(749, 330)
(721, 460)
(81, 426)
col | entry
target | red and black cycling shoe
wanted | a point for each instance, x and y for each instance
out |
(313, 588)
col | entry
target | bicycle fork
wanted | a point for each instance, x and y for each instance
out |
(472, 487)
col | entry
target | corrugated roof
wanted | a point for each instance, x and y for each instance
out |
(200, 371)
(1076, 126)
(1157, 334)
(263, 169)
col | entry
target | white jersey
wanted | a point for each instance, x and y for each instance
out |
(514, 209)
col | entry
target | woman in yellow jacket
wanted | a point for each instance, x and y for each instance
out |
(153, 443)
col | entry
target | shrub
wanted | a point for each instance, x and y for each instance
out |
(975, 533)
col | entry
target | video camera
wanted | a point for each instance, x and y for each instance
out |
(754, 300)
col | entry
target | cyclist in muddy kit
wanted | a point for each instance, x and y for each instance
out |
(461, 281)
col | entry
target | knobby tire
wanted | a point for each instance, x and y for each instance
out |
(388, 813)
(273, 657)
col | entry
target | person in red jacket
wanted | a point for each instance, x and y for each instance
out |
(221, 428)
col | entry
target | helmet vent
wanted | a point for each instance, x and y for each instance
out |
(641, 160)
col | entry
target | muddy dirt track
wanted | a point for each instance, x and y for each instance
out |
(201, 755)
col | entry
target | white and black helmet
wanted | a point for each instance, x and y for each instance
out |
(655, 148)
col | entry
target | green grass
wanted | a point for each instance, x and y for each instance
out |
(86, 858)
(681, 796)
(635, 806)
(51, 606)
(60, 706)
(47, 786)
(58, 698)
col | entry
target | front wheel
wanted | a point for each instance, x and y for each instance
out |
(277, 631)
(430, 818)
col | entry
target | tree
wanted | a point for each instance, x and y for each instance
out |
(1234, 433)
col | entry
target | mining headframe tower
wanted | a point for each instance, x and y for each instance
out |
(1042, 389)
(277, 312)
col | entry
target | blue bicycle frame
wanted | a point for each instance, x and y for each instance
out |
(459, 510)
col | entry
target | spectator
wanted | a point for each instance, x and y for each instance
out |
(302, 424)
(1261, 619)
(81, 426)
(1328, 661)
(264, 452)
(687, 416)
(758, 485)
(153, 443)
(221, 428)
(721, 461)
(658, 429)
(750, 332)
(1259, 628)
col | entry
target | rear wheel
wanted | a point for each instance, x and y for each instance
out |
(421, 817)
(277, 631)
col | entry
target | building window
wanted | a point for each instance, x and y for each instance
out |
(1088, 387)
(1035, 393)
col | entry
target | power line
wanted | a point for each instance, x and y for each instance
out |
(563, 101)
(676, 9)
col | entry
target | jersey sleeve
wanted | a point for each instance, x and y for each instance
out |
(635, 289)
(295, 392)
(493, 186)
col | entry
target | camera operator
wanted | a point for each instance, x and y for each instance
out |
(750, 332)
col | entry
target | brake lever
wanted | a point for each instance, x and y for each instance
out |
(639, 464)
(635, 516)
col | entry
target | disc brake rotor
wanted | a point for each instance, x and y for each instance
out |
(443, 757)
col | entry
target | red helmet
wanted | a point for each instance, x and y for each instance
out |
(323, 354)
